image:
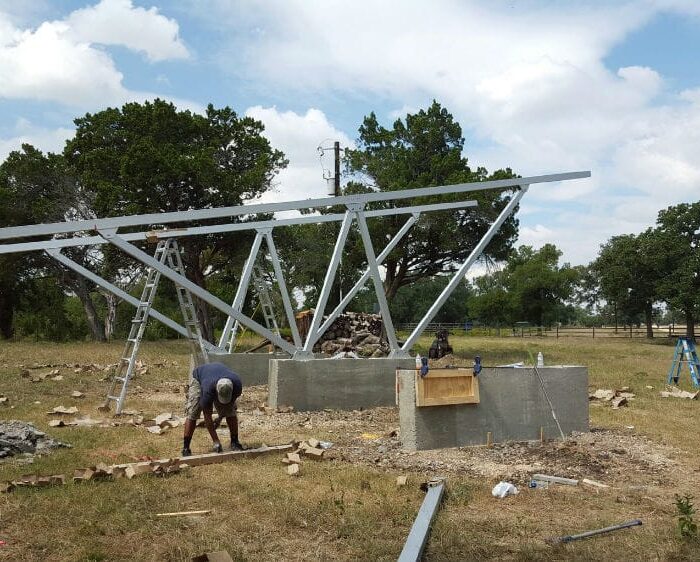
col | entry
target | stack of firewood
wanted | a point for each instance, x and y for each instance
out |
(355, 332)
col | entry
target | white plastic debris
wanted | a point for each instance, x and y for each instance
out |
(503, 489)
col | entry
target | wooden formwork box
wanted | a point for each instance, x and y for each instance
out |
(444, 387)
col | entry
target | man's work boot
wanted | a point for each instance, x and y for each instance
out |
(186, 452)
(236, 445)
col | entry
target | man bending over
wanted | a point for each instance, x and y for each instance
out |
(212, 385)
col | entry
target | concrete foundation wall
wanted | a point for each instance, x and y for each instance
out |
(512, 407)
(343, 384)
(253, 368)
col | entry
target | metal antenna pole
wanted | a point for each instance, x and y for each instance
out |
(551, 407)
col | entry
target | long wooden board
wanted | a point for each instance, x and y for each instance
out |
(211, 458)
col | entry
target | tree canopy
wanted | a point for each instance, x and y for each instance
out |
(150, 158)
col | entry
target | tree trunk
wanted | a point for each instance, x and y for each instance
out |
(7, 313)
(93, 320)
(111, 316)
(649, 320)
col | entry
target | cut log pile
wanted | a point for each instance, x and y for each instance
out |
(354, 332)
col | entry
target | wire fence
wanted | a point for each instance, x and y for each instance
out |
(628, 331)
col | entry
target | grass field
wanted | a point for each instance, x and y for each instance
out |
(336, 509)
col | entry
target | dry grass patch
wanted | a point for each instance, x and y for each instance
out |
(348, 507)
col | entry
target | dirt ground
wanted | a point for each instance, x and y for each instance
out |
(645, 453)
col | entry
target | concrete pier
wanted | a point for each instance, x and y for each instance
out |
(343, 384)
(512, 407)
(253, 368)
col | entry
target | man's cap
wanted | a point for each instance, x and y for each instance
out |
(224, 390)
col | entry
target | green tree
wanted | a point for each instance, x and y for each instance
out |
(152, 158)
(628, 271)
(426, 149)
(34, 188)
(532, 287)
(675, 242)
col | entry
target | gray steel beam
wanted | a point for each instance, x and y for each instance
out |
(461, 272)
(418, 537)
(282, 285)
(365, 276)
(205, 214)
(328, 281)
(113, 238)
(107, 286)
(242, 290)
(222, 228)
(378, 285)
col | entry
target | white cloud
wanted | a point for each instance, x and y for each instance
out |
(46, 140)
(119, 22)
(61, 60)
(529, 78)
(298, 136)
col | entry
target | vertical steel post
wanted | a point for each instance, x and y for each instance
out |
(365, 276)
(312, 336)
(377, 280)
(242, 290)
(461, 272)
(282, 287)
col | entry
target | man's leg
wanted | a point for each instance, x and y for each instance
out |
(232, 422)
(192, 412)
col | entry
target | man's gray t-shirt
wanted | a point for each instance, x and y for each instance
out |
(208, 375)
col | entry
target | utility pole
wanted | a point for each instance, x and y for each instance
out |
(336, 182)
(336, 177)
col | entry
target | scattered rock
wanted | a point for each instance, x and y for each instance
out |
(17, 437)
(60, 410)
(675, 392)
(77, 394)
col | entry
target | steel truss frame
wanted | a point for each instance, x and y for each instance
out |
(107, 230)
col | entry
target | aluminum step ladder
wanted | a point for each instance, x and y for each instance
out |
(685, 352)
(265, 301)
(167, 253)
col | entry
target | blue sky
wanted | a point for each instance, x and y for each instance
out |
(542, 87)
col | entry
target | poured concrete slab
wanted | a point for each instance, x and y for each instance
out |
(253, 368)
(342, 384)
(512, 407)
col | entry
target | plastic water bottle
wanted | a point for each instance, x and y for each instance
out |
(418, 361)
(540, 359)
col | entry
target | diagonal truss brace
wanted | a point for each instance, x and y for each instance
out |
(113, 238)
(116, 291)
(462, 271)
(244, 284)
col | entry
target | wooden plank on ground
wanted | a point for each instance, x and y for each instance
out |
(212, 458)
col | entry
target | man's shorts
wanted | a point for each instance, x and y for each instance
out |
(193, 408)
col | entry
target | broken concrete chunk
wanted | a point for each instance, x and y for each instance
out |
(313, 452)
(293, 457)
(163, 417)
(77, 394)
(618, 402)
(58, 410)
(293, 469)
(602, 394)
(57, 423)
(156, 429)
(675, 392)
(3, 399)
(313, 443)
(401, 480)
(57, 378)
